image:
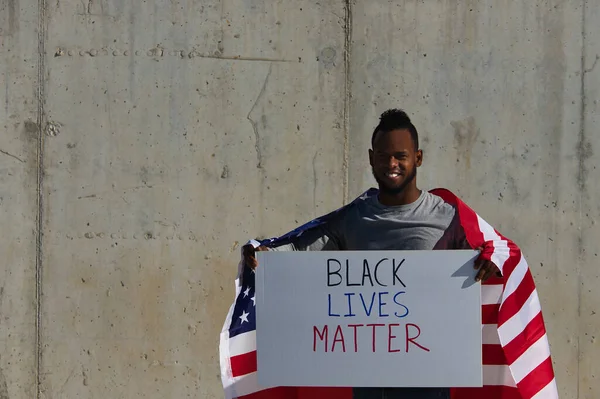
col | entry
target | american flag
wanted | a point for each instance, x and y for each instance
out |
(516, 354)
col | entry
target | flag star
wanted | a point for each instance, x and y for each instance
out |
(244, 317)
(246, 292)
(253, 301)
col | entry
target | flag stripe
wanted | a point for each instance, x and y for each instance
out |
(491, 294)
(242, 343)
(515, 325)
(500, 254)
(489, 314)
(493, 355)
(489, 334)
(534, 331)
(541, 376)
(550, 391)
(246, 385)
(487, 392)
(514, 271)
(514, 303)
(271, 393)
(243, 364)
(497, 375)
(531, 359)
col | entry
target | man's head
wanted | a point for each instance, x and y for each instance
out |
(395, 153)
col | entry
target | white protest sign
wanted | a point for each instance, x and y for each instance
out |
(368, 319)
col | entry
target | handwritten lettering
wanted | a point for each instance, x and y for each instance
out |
(367, 312)
(412, 339)
(389, 303)
(350, 307)
(365, 339)
(339, 337)
(343, 273)
(322, 337)
(406, 312)
(336, 272)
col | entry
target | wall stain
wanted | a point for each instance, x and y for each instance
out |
(465, 136)
(3, 386)
(9, 20)
(31, 129)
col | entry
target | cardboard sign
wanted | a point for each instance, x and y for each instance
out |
(368, 319)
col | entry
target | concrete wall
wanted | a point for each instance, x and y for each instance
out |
(142, 142)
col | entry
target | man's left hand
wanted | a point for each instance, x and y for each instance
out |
(486, 268)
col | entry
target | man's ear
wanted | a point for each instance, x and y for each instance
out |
(419, 157)
(371, 157)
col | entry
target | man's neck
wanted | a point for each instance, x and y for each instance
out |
(405, 197)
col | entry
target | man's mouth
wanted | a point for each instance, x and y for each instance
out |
(392, 175)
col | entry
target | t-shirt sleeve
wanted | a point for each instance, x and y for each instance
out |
(325, 237)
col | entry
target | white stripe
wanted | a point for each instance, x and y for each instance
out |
(550, 391)
(497, 375)
(491, 294)
(247, 384)
(515, 278)
(242, 343)
(501, 250)
(531, 358)
(226, 373)
(516, 324)
(489, 334)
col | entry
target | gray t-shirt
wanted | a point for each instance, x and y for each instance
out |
(426, 224)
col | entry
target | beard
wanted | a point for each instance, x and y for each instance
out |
(393, 190)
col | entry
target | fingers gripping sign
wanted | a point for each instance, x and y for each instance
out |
(486, 268)
(249, 254)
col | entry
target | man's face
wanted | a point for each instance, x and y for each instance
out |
(394, 160)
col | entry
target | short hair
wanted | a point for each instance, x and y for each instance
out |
(395, 119)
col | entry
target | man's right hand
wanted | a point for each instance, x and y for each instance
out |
(249, 252)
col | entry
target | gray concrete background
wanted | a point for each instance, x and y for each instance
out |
(142, 142)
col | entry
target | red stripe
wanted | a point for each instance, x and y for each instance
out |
(537, 379)
(532, 332)
(516, 300)
(324, 393)
(493, 281)
(493, 355)
(273, 393)
(468, 217)
(486, 392)
(489, 314)
(514, 257)
(243, 364)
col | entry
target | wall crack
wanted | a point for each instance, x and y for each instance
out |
(11, 155)
(593, 65)
(347, 94)
(254, 123)
(40, 97)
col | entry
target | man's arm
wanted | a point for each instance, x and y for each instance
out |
(486, 268)
(321, 238)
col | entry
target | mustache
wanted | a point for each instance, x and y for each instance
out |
(395, 190)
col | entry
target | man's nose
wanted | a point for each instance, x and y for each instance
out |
(392, 162)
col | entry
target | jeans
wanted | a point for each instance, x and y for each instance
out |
(401, 393)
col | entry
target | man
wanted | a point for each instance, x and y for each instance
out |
(399, 217)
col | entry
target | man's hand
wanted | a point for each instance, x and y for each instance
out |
(249, 252)
(486, 268)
